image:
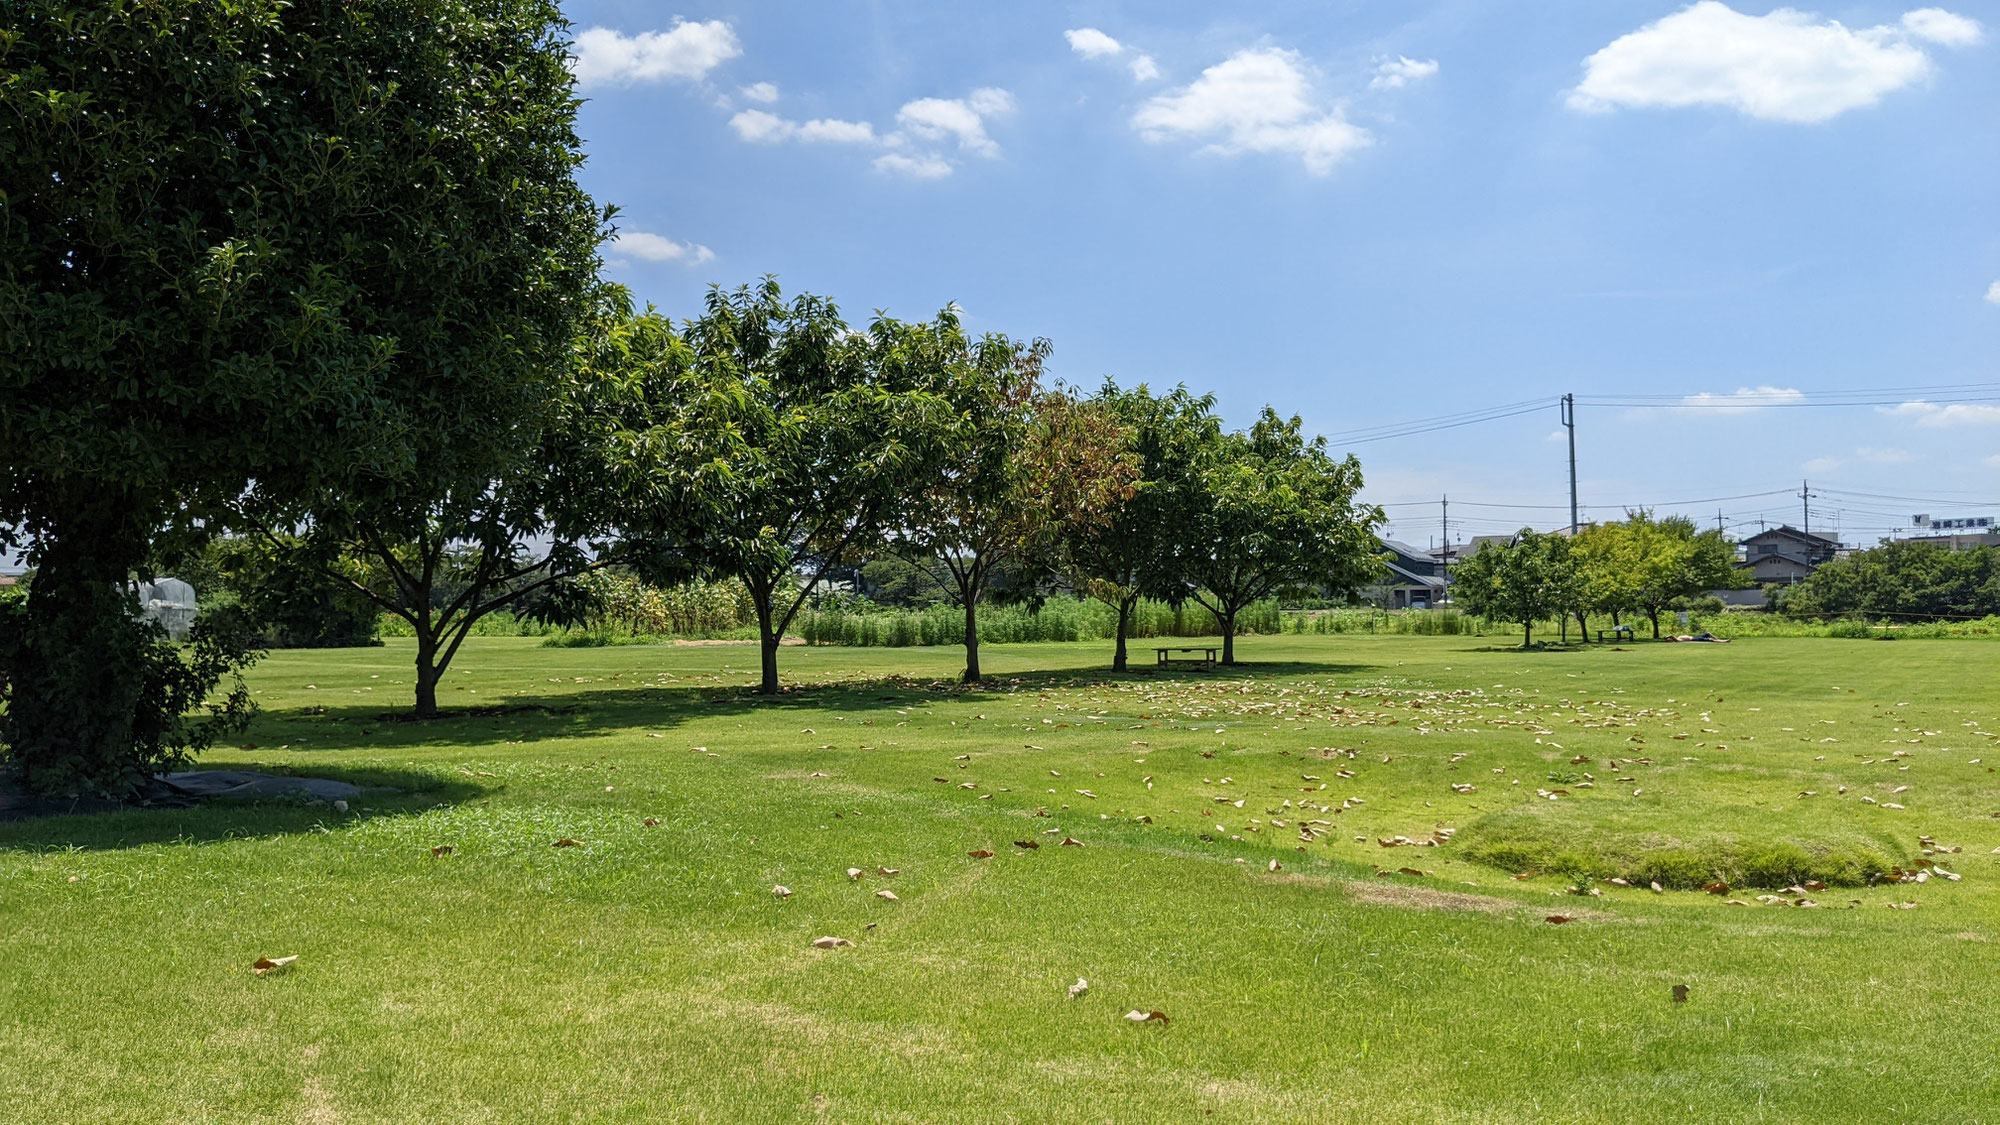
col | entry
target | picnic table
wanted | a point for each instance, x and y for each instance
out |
(1618, 632)
(1164, 659)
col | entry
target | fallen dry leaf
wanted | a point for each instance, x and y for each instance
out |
(1680, 994)
(1276, 866)
(566, 842)
(1716, 888)
(651, 822)
(1137, 1016)
(888, 871)
(887, 894)
(781, 890)
(441, 850)
(271, 964)
(1028, 844)
(854, 874)
(981, 854)
(1079, 988)
(1071, 842)
(1558, 919)
(830, 942)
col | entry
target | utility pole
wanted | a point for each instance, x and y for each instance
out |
(1569, 421)
(1805, 507)
(1444, 556)
(1718, 519)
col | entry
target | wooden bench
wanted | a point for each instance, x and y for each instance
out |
(1163, 659)
(1618, 632)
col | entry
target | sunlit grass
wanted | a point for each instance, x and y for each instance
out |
(650, 973)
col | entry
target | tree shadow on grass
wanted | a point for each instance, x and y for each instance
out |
(386, 791)
(528, 719)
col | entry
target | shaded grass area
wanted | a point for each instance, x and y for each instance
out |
(648, 973)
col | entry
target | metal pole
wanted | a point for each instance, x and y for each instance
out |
(1805, 509)
(1569, 420)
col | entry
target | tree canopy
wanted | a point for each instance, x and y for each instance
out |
(1273, 512)
(321, 249)
(1534, 578)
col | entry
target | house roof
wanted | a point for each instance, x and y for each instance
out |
(1789, 532)
(1411, 577)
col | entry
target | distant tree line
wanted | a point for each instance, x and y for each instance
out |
(1642, 566)
(318, 278)
(1900, 582)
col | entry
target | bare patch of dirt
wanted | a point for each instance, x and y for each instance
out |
(1429, 898)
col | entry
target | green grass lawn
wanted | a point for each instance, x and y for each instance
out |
(650, 973)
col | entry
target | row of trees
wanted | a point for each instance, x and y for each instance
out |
(347, 308)
(1901, 581)
(1641, 566)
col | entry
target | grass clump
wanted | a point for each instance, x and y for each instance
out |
(1531, 840)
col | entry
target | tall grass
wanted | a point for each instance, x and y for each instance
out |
(1406, 622)
(1059, 619)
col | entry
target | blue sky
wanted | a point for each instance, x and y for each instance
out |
(1369, 213)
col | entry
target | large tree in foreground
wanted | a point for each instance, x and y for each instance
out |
(1133, 551)
(1027, 467)
(801, 440)
(301, 244)
(1275, 512)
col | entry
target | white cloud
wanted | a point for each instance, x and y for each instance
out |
(915, 167)
(1092, 43)
(1991, 462)
(1940, 26)
(1783, 66)
(1930, 415)
(1144, 69)
(1888, 456)
(1993, 293)
(1257, 100)
(761, 92)
(686, 53)
(937, 119)
(757, 126)
(1400, 72)
(1744, 400)
(659, 248)
(1822, 465)
(836, 131)
(760, 127)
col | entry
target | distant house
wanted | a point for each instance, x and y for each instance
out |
(1785, 554)
(1414, 578)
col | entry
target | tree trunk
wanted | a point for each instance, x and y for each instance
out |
(1228, 637)
(1583, 626)
(767, 640)
(1562, 627)
(1118, 663)
(1653, 615)
(79, 668)
(428, 673)
(971, 640)
(1527, 634)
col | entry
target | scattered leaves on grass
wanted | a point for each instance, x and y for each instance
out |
(1071, 842)
(888, 871)
(1079, 988)
(651, 822)
(1030, 845)
(887, 895)
(1137, 1016)
(1716, 888)
(830, 942)
(271, 964)
(1680, 994)
(1558, 919)
(441, 850)
(982, 853)
(781, 891)
(854, 874)
(566, 842)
